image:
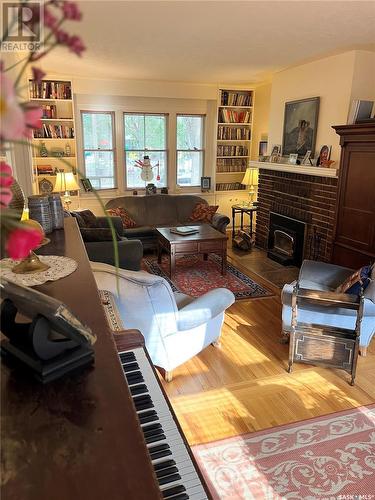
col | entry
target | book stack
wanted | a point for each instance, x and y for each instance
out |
(49, 131)
(231, 116)
(49, 111)
(236, 98)
(227, 164)
(229, 186)
(233, 133)
(45, 170)
(50, 90)
(231, 150)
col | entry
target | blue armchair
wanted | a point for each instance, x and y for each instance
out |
(327, 277)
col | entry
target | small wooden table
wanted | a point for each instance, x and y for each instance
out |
(206, 240)
(243, 209)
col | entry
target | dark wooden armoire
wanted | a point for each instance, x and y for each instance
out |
(354, 232)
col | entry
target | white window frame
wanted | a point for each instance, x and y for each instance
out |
(202, 150)
(113, 149)
(166, 151)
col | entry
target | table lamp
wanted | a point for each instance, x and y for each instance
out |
(66, 182)
(251, 179)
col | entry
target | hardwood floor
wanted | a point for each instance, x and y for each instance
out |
(243, 386)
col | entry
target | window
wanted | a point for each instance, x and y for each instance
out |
(98, 148)
(145, 135)
(190, 152)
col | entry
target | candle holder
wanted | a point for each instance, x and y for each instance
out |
(32, 264)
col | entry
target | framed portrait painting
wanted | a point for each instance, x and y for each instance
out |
(300, 125)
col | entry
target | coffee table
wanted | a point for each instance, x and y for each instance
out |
(206, 240)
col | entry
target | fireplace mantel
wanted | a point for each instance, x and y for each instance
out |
(297, 169)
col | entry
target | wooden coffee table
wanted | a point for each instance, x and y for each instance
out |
(206, 240)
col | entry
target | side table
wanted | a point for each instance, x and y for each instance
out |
(243, 209)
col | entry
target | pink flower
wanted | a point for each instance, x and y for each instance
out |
(6, 178)
(12, 120)
(33, 117)
(21, 241)
(75, 44)
(62, 37)
(49, 19)
(71, 11)
(38, 74)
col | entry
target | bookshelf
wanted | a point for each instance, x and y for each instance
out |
(233, 142)
(56, 138)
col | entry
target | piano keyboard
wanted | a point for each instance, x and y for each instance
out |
(174, 469)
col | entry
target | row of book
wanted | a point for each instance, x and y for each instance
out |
(233, 133)
(229, 186)
(232, 168)
(231, 162)
(49, 111)
(50, 90)
(49, 131)
(45, 170)
(236, 98)
(228, 150)
(231, 116)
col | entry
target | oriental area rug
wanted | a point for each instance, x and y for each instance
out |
(194, 276)
(330, 457)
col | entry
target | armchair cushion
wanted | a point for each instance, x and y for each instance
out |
(97, 234)
(359, 279)
(85, 218)
(204, 308)
(127, 220)
(203, 212)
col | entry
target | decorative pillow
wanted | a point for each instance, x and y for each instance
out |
(85, 218)
(127, 221)
(203, 212)
(353, 284)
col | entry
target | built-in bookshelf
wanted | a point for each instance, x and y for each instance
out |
(54, 144)
(234, 125)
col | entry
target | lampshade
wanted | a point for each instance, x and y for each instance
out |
(65, 181)
(251, 177)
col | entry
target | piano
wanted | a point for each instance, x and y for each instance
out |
(106, 432)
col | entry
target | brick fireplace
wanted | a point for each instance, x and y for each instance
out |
(306, 198)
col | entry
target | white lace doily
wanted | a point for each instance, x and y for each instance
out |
(59, 268)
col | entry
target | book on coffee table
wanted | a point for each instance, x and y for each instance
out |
(183, 230)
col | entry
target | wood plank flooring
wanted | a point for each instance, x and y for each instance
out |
(244, 387)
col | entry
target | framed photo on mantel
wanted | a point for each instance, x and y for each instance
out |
(300, 126)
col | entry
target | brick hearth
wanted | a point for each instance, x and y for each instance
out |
(307, 198)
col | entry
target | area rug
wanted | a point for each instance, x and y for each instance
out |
(330, 457)
(195, 276)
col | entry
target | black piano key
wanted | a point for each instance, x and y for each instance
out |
(151, 434)
(182, 496)
(130, 367)
(163, 465)
(134, 378)
(148, 416)
(138, 389)
(143, 402)
(155, 439)
(166, 472)
(161, 454)
(126, 357)
(151, 427)
(143, 406)
(173, 490)
(169, 479)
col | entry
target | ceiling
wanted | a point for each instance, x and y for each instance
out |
(211, 41)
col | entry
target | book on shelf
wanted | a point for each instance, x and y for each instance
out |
(49, 131)
(184, 230)
(231, 116)
(229, 150)
(50, 90)
(230, 98)
(233, 133)
(229, 186)
(49, 111)
(231, 162)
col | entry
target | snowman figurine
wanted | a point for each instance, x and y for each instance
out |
(147, 174)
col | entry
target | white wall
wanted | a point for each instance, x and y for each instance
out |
(363, 85)
(329, 78)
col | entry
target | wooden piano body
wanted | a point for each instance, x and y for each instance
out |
(78, 437)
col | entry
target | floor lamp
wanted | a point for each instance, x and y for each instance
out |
(66, 182)
(250, 179)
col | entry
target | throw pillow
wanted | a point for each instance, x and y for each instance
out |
(127, 220)
(203, 212)
(353, 284)
(85, 218)
(97, 234)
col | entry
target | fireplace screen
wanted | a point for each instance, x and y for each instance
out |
(283, 242)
